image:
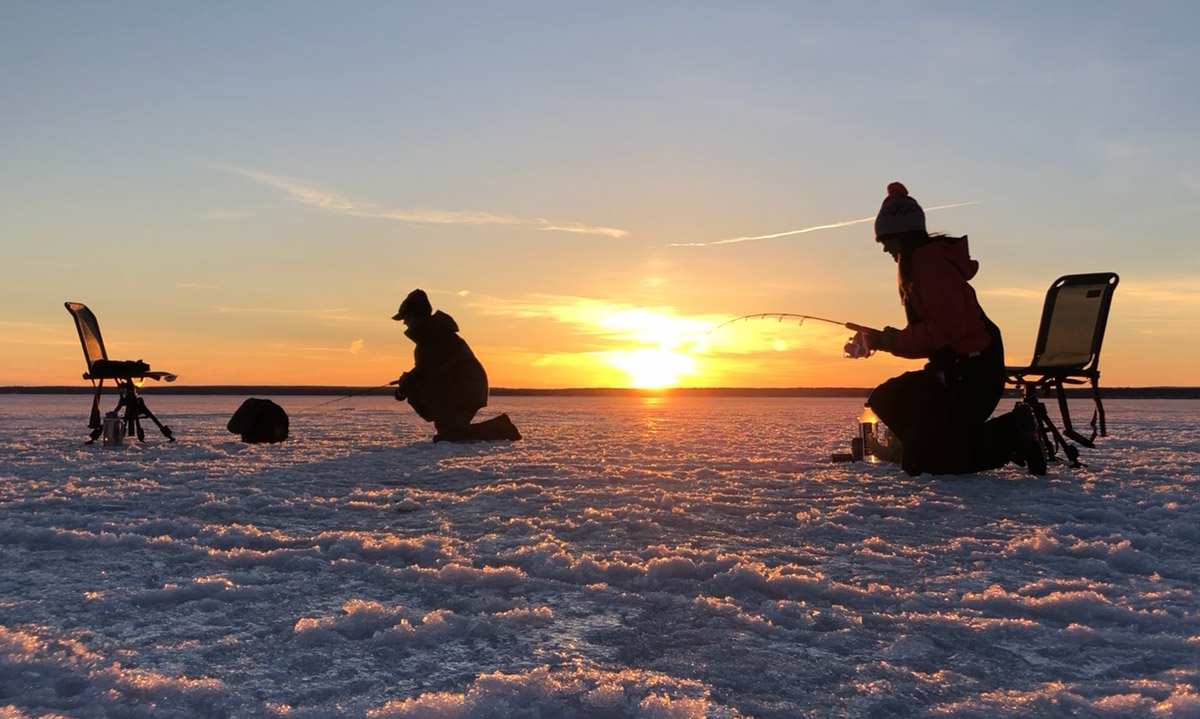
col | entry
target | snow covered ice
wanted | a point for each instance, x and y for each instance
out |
(670, 558)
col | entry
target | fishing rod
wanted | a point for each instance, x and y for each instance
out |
(348, 396)
(856, 348)
(781, 315)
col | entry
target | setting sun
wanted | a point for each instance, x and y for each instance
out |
(654, 368)
(661, 348)
(667, 346)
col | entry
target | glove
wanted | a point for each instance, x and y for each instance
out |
(856, 347)
(884, 339)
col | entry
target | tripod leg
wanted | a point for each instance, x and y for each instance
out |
(135, 414)
(145, 412)
(129, 400)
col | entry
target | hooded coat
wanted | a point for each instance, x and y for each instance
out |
(940, 304)
(447, 385)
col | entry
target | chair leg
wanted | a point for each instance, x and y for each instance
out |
(94, 417)
(94, 421)
(1051, 438)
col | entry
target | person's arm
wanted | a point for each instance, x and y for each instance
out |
(948, 310)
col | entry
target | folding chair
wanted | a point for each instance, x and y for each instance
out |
(127, 374)
(1067, 352)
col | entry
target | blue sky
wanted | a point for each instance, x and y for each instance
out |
(245, 191)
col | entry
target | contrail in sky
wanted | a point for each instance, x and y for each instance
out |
(340, 204)
(735, 240)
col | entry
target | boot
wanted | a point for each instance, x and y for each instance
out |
(500, 427)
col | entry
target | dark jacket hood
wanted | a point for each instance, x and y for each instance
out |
(438, 322)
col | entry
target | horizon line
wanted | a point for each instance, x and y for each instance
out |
(1164, 391)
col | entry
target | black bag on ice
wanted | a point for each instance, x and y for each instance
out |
(259, 420)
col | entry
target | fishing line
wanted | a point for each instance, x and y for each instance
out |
(348, 396)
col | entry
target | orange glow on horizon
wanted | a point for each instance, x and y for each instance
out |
(654, 368)
(558, 342)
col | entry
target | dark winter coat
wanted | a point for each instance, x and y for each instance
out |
(447, 384)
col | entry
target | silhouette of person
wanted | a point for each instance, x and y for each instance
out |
(446, 385)
(941, 412)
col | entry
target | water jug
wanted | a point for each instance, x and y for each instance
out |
(112, 430)
(876, 439)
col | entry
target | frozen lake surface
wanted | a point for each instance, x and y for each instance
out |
(631, 558)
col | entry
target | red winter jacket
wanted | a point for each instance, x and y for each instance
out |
(943, 310)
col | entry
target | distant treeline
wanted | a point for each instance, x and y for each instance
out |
(328, 390)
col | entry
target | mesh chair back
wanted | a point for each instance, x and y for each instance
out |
(89, 332)
(1073, 322)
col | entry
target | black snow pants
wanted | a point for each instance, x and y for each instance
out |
(941, 413)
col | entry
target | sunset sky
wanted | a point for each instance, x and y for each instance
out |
(244, 192)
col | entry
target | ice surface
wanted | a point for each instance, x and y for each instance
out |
(630, 558)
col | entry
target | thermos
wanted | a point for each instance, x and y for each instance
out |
(873, 434)
(113, 431)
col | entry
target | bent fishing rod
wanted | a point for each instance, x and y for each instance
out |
(780, 316)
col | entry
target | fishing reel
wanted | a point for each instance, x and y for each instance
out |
(857, 346)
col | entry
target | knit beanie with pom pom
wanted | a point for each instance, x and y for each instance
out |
(899, 213)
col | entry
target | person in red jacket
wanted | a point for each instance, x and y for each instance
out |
(942, 413)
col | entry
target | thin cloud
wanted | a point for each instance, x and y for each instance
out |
(277, 311)
(287, 347)
(1164, 301)
(341, 315)
(814, 228)
(35, 333)
(1181, 293)
(1017, 293)
(580, 229)
(340, 204)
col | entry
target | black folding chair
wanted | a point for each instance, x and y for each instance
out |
(127, 374)
(1074, 318)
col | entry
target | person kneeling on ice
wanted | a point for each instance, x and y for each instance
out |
(941, 412)
(446, 385)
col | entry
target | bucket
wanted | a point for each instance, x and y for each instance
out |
(112, 430)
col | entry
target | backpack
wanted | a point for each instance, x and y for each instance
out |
(259, 420)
